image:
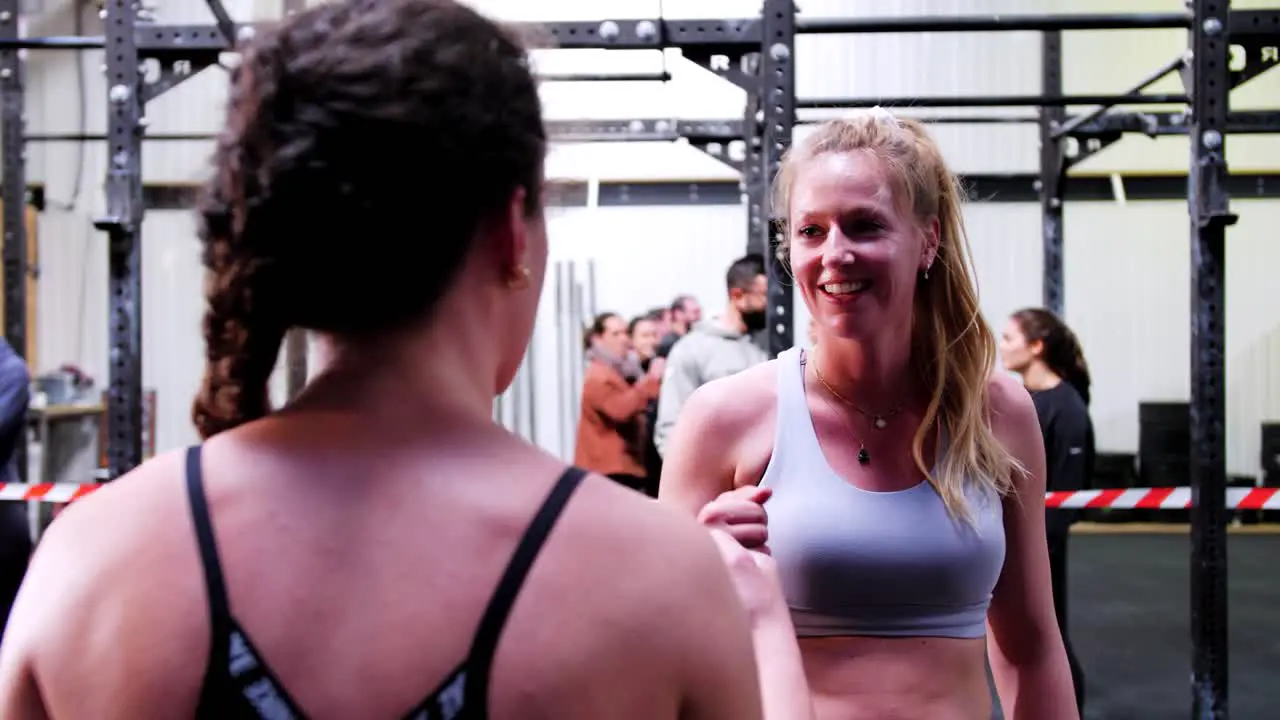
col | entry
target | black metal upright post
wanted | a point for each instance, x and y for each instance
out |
(778, 106)
(123, 225)
(754, 181)
(1209, 85)
(12, 110)
(1052, 171)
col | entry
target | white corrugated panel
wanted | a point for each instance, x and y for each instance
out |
(1128, 295)
(617, 259)
(901, 65)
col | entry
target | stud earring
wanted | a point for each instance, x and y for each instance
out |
(518, 278)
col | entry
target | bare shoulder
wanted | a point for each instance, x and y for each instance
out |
(652, 541)
(1010, 405)
(730, 404)
(1017, 426)
(104, 590)
(630, 599)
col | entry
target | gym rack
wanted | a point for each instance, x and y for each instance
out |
(1213, 28)
(756, 54)
(733, 49)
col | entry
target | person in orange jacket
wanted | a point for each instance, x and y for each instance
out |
(615, 394)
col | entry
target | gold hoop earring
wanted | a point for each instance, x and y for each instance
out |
(518, 278)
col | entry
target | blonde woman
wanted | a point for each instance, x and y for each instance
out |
(904, 480)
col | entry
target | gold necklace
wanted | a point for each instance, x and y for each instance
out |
(864, 457)
(879, 421)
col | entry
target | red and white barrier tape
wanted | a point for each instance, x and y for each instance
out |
(1171, 498)
(45, 492)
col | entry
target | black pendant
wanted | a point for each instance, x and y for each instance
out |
(864, 457)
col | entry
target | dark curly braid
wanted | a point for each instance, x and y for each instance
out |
(353, 130)
(1062, 351)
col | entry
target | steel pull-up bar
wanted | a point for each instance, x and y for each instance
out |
(992, 23)
(606, 77)
(66, 42)
(226, 25)
(1174, 65)
(991, 101)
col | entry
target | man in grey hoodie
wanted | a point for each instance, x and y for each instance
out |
(715, 348)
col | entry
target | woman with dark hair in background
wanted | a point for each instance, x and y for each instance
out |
(615, 394)
(381, 536)
(1037, 345)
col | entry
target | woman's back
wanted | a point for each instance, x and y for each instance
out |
(379, 181)
(362, 598)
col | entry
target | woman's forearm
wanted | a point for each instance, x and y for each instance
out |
(1038, 689)
(784, 690)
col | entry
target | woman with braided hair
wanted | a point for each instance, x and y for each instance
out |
(1040, 347)
(379, 548)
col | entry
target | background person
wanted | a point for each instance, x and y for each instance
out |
(15, 525)
(644, 343)
(612, 430)
(718, 347)
(684, 313)
(1037, 345)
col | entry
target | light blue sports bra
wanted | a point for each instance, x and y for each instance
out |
(856, 562)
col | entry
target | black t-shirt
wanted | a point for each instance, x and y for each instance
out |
(1068, 447)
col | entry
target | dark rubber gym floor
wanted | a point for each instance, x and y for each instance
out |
(1130, 623)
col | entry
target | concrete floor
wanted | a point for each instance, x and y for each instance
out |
(1130, 622)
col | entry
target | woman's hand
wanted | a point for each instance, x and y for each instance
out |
(755, 577)
(739, 525)
(740, 513)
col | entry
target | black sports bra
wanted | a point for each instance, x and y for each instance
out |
(239, 685)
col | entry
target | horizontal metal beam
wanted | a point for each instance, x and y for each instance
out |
(1253, 122)
(643, 130)
(648, 129)
(655, 33)
(946, 119)
(68, 42)
(605, 77)
(990, 101)
(605, 34)
(992, 23)
(982, 188)
(649, 33)
(1254, 22)
(90, 137)
(1247, 122)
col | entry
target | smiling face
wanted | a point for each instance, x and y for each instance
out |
(856, 252)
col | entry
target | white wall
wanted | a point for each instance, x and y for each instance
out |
(626, 260)
(1126, 266)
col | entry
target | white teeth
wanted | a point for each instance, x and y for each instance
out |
(844, 288)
